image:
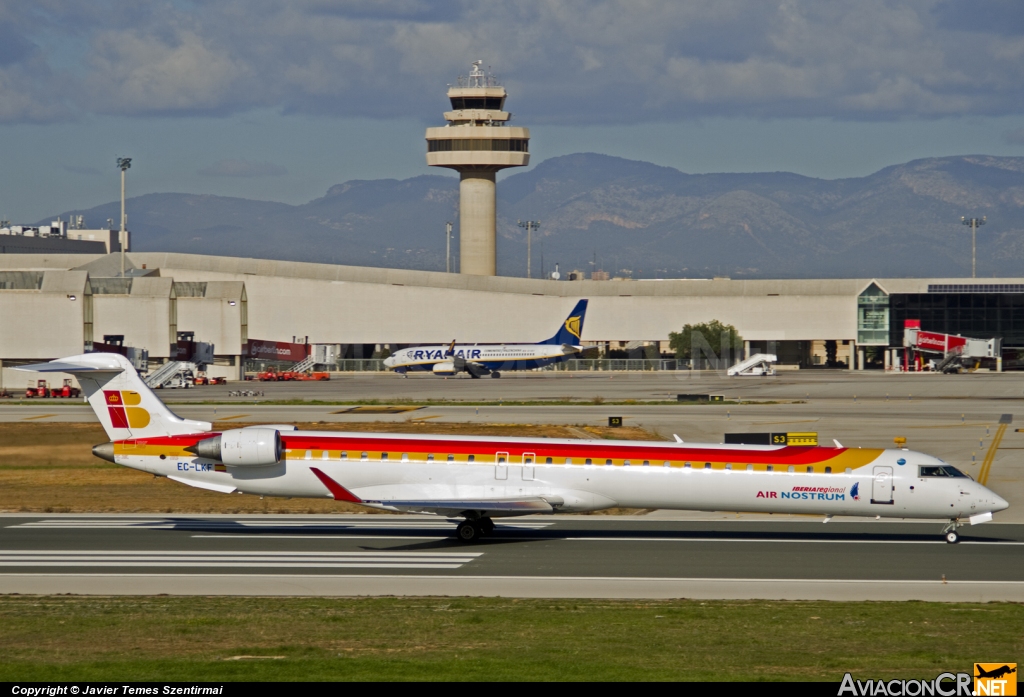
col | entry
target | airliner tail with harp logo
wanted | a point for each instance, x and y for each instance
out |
(477, 360)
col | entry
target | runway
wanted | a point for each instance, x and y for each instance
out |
(549, 556)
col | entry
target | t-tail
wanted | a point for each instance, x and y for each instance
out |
(123, 403)
(572, 328)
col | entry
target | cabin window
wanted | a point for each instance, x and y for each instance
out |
(430, 457)
(849, 471)
(625, 463)
(548, 461)
(771, 468)
(810, 470)
(728, 465)
(686, 465)
(344, 456)
(405, 457)
(647, 463)
(472, 458)
(528, 459)
(667, 463)
(828, 470)
(501, 459)
(707, 465)
(325, 455)
(309, 454)
(568, 460)
(451, 458)
(365, 457)
(750, 468)
(791, 469)
(607, 462)
(383, 456)
(588, 461)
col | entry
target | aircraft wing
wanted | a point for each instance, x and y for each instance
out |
(453, 507)
(505, 506)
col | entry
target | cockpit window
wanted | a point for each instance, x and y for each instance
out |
(940, 471)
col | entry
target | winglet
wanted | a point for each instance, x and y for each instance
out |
(678, 439)
(339, 492)
(838, 444)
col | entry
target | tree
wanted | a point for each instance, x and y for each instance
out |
(705, 340)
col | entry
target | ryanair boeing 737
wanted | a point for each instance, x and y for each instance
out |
(490, 359)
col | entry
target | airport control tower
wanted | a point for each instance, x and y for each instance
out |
(477, 143)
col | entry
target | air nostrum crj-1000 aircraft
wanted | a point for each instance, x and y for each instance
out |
(481, 478)
(490, 359)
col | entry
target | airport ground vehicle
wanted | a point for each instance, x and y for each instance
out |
(480, 478)
(273, 375)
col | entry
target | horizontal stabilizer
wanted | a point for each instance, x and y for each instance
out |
(60, 367)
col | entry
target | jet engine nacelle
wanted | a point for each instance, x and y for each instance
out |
(242, 447)
(444, 368)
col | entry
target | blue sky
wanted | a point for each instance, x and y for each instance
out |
(279, 101)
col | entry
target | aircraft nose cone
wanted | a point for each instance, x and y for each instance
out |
(389, 361)
(1001, 504)
(104, 451)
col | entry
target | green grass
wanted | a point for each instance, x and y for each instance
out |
(201, 638)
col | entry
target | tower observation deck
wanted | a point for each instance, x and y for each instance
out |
(477, 142)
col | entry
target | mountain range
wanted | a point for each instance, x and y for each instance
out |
(630, 218)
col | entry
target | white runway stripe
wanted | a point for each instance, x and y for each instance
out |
(716, 540)
(233, 559)
(186, 524)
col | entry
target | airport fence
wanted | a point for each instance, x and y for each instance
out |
(640, 364)
(359, 365)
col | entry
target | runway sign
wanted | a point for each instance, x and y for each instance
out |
(805, 438)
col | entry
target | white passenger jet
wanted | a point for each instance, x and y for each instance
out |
(481, 478)
(490, 359)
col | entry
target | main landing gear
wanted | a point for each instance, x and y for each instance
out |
(495, 374)
(950, 531)
(473, 530)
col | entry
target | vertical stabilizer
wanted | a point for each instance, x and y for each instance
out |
(123, 403)
(572, 328)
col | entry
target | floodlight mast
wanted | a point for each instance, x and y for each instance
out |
(448, 247)
(530, 226)
(975, 223)
(123, 163)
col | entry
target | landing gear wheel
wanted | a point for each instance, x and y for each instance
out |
(468, 531)
(495, 374)
(486, 526)
(952, 537)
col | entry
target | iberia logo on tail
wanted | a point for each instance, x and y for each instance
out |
(124, 410)
(572, 325)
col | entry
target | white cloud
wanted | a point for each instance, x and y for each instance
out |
(568, 61)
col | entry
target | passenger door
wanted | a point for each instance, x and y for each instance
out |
(528, 467)
(881, 485)
(501, 465)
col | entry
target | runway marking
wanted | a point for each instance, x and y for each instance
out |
(319, 537)
(801, 541)
(38, 416)
(236, 416)
(232, 559)
(990, 456)
(199, 524)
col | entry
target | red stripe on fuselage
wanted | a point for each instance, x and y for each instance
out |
(790, 455)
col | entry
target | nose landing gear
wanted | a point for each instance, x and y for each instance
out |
(950, 531)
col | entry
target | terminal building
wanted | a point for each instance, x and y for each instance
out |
(60, 304)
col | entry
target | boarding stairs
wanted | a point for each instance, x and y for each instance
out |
(758, 364)
(168, 373)
(304, 366)
(949, 362)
